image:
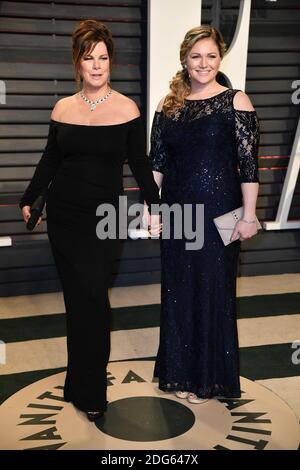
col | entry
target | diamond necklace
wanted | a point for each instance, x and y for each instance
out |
(93, 104)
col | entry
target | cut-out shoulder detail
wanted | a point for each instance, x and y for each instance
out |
(195, 109)
(160, 105)
(241, 102)
(245, 127)
(95, 125)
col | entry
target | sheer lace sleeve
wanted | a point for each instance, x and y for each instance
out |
(247, 138)
(157, 155)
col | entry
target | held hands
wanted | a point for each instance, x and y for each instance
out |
(145, 217)
(244, 229)
(152, 223)
(155, 227)
(26, 215)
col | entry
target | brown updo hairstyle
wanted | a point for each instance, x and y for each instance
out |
(180, 84)
(84, 38)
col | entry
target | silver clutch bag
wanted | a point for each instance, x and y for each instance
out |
(225, 223)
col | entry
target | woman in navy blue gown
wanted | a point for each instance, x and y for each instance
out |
(204, 144)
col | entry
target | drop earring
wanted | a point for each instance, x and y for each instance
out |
(186, 71)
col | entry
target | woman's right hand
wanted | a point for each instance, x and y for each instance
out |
(26, 215)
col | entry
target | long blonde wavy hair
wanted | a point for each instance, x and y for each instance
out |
(180, 84)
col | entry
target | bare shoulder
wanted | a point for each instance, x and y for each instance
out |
(160, 104)
(61, 107)
(242, 102)
(129, 107)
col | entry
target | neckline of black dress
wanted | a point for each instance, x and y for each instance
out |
(95, 125)
(210, 98)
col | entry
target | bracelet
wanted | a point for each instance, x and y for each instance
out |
(248, 221)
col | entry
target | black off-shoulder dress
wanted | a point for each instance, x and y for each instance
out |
(85, 165)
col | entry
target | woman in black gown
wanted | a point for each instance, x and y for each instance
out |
(91, 134)
(201, 133)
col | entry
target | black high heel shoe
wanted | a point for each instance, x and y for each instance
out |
(93, 416)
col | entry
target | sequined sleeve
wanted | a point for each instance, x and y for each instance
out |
(247, 138)
(158, 154)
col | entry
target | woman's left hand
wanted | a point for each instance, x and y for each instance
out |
(243, 230)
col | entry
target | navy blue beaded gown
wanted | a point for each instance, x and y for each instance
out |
(205, 151)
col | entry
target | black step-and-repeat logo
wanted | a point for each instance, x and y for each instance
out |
(140, 416)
